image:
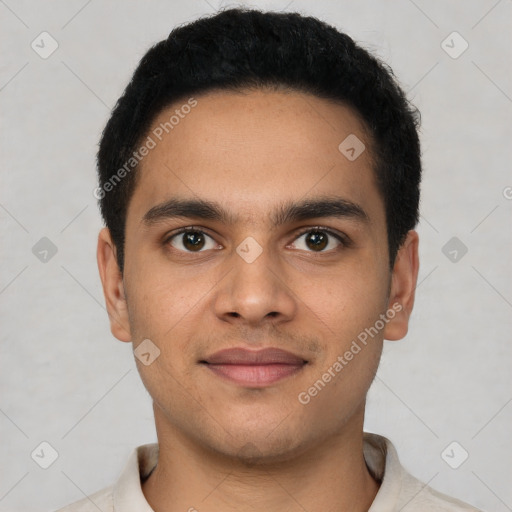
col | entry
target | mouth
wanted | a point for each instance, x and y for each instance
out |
(254, 368)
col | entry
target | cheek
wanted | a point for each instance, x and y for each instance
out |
(348, 301)
(161, 298)
(167, 309)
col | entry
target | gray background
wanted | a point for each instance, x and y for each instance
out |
(66, 380)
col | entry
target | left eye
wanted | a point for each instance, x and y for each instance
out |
(318, 239)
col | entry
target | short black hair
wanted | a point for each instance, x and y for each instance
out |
(240, 48)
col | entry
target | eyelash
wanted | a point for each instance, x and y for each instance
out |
(343, 239)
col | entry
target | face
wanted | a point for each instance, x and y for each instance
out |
(286, 249)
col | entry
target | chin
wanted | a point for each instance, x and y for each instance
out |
(259, 448)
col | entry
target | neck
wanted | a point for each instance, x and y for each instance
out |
(330, 476)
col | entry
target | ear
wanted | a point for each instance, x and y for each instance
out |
(403, 288)
(113, 287)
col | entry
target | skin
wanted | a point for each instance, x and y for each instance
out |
(229, 447)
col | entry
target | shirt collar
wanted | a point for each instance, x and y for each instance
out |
(383, 463)
(379, 453)
(127, 494)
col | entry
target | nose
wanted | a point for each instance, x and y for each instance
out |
(255, 291)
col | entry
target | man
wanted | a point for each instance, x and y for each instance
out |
(259, 181)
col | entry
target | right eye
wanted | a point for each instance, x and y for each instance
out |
(191, 240)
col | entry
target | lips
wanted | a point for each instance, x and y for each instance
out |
(254, 357)
(254, 368)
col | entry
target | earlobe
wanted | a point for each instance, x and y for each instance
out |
(403, 288)
(113, 287)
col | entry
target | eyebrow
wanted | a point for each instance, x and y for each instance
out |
(288, 212)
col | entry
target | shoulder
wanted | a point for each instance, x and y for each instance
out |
(399, 489)
(100, 500)
(417, 496)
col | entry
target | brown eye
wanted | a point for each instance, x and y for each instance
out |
(191, 240)
(317, 240)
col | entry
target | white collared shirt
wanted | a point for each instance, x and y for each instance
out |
(399, 490)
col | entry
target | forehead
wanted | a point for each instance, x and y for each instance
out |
(248, 150)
